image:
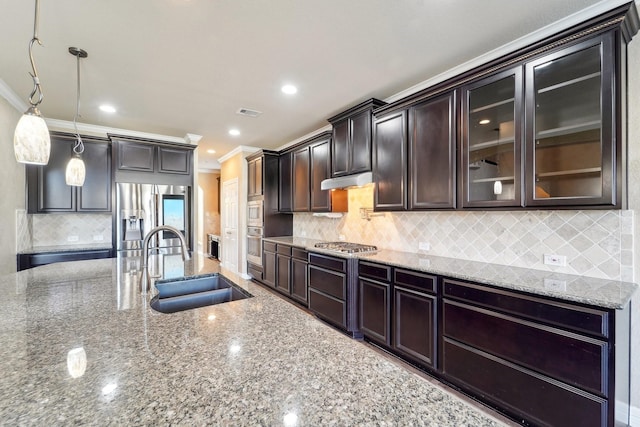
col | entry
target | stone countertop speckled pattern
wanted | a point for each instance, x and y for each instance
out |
(66, 248)
(585, 290)
(258, 361)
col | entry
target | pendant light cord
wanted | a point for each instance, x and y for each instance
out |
(37, 89)
(78, 148)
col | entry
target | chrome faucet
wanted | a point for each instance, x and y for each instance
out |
(145, 279)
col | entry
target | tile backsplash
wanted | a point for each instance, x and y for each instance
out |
(69, 229)
(596, 243)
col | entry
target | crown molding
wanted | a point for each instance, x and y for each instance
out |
(12, 98)
(240, 149)
(305, 137)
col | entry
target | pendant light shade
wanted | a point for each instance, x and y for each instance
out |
(31, 141)
(75, 173)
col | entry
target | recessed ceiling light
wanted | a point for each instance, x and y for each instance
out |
(484, 121)
(210, 151)
(289, 89)
(234, 132)
(107, 108)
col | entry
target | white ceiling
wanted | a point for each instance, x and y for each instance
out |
(173, 67)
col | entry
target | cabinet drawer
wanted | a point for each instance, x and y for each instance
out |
(328, 308)
(413, 280)
(283, 249)
(299, 253)
(579, 319)
(269, 246)
(330, 282)
(374, 271)
(573, 359)
(254, 271)
(518, 390)
(329, 262)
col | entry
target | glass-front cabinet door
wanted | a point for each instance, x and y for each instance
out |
(492, 141)
(570, 138)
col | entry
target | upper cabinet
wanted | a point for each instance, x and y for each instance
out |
(432, 153)
(255, 177)
(572, 150)
(390, 161)
(47, 190)
(351, 141)
(155, 162)
(302, 170)
(492, 141)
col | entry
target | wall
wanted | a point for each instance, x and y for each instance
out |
(209, 212)
(69, 229)
(596, 243)
(12, 204)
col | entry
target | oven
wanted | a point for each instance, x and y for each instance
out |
(254, 245)
(254, 213)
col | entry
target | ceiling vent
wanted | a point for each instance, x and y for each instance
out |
(248, 112)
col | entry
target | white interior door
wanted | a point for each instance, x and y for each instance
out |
(230, 224)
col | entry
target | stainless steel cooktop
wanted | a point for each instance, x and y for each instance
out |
(346, 247)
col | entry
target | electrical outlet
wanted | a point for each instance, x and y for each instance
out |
(98, 237)
(72, 238)
(555, 285)
(424, 246)
(342, 238)
(555, 260)
(303, 234)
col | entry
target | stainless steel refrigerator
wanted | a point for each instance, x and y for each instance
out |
(141, 207)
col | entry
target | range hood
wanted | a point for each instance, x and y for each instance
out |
(349, 181)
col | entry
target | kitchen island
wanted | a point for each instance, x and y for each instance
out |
(257, 361)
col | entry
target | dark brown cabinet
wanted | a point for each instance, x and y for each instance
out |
(398, 310)
(516, 369)
(143, 161)
(26, 261)
(255, 177)
(269, 262)
(573, 152)
(47, 190)
(352, 136)
(285, 183)
(301, 161)
(432, 153)
(283, 268)
(302, 170)
(492, 141)
(320, 170)
(299, 275)
(390, 162)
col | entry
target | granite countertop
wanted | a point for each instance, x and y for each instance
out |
(257, 361)
(66, 248)
(586, 290)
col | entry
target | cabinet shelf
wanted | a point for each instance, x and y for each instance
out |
(569, 173)
(489, 106)
(569, 82)
(567, 130)
(493, 179)
(493, 143)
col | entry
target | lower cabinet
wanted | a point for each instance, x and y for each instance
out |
(548, 363)
(397, 309)
(26, 261)
(284, 268)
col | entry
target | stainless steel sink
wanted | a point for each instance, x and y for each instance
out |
(184, 294)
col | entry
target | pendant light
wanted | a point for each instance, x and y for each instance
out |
(31, 141)
(75, 172)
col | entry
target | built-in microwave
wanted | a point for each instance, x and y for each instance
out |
(254, 213)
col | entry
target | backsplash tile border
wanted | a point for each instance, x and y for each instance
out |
(596, 243)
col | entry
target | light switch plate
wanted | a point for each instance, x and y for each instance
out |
(72, 238)
(424, 246)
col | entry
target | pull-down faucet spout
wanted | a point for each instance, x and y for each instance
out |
(145, 280)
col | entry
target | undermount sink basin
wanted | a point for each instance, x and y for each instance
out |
(184, 294)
